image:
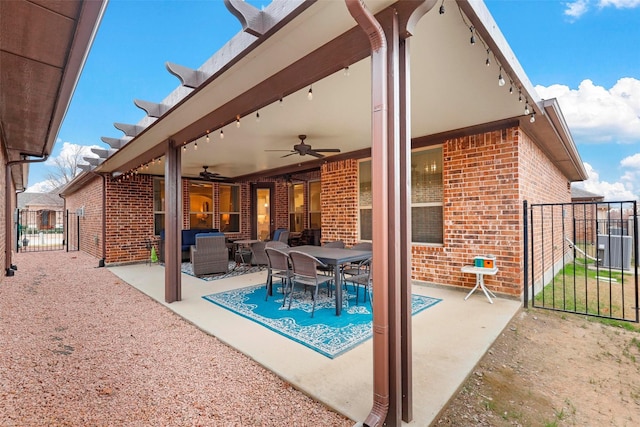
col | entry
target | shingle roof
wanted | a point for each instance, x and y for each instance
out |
(580, 194)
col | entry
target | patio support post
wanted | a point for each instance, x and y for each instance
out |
(172, 223)
(389, 22)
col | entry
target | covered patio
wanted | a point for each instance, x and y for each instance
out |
(371, 84)
(444, 352)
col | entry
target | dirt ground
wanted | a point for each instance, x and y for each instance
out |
(553, 369)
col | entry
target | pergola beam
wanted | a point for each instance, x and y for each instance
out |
(254, 21)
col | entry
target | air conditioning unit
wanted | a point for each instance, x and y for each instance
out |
(614, 251)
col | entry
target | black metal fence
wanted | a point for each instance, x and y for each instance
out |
(47, 230)
(582, 258)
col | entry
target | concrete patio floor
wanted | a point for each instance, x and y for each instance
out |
(448, 341)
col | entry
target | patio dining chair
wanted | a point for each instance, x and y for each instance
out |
(258, 254)
(305, 272)
(278, 266)
(360, 277)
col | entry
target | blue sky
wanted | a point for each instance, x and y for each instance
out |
(584, 52)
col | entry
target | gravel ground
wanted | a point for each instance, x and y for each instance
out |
(79, 347)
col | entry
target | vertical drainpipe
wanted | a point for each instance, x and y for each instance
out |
(7, 209)
(379, 95)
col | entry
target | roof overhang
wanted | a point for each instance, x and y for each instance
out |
(311, 43)
(43, 48)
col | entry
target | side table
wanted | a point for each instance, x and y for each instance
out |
(480, 273)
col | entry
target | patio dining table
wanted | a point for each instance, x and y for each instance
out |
(334, 257)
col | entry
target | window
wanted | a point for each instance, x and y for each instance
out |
(296, 207)
(158, 205)
(200, 204)
(229, 208)
(315, 208)
(426, 197)
(364, 200)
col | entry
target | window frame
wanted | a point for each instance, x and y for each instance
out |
(238, 213)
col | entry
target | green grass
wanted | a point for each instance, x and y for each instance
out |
(577, 288)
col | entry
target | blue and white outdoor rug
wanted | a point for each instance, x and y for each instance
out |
(233, 270)
(325, 333)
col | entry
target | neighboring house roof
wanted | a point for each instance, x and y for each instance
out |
(578, 194)
(290, 48)
(50, 200)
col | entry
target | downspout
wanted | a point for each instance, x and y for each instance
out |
(365, 19)
(8, 223)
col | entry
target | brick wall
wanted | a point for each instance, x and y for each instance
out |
(339, 200)
(486, 178)
(91, 224)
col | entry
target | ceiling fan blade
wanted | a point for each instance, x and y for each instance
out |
(290, 154)
(327, 150)
(280, 150)
(314, 154)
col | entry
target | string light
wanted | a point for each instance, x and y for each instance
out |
(221, 134)
(280, 102)
(510, 87)
(519, 95)
(472, 40)
(184, 148)
(487, 62)
(501, 81)
(442, 8)
(195, 146)
(237, 121)
(207, 138)
(310, 93)
(533, 117)
(346, 71)
(526, 107)
(258, 116)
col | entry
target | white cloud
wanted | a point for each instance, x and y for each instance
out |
(597, 114)
(40, 187)
(631, 161)
(619, 4)
(618, 191)
(576, 9)
(69, 152)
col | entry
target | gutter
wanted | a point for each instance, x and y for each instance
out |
(8, 223)
(381, 388)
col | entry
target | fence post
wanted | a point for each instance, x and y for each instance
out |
(526, 254)
(78, 231)
(66, 230)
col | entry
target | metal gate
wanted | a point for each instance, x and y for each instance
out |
(582, 258)
(47, 230)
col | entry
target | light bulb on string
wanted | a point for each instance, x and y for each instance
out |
(346, 71)
(221, 134)
(442, 8)
(526, 108)
(280, 103)
(487, 62)
(310, 93)
(472, 40)
(207, 137)
(533, 117)
(258, 116)
(184, 148)
(519, 95)
(237, 121)
(510, 87)
(501, 81)
(195, 146)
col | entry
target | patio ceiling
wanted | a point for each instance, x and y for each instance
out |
(451, 89)
(43, 45)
